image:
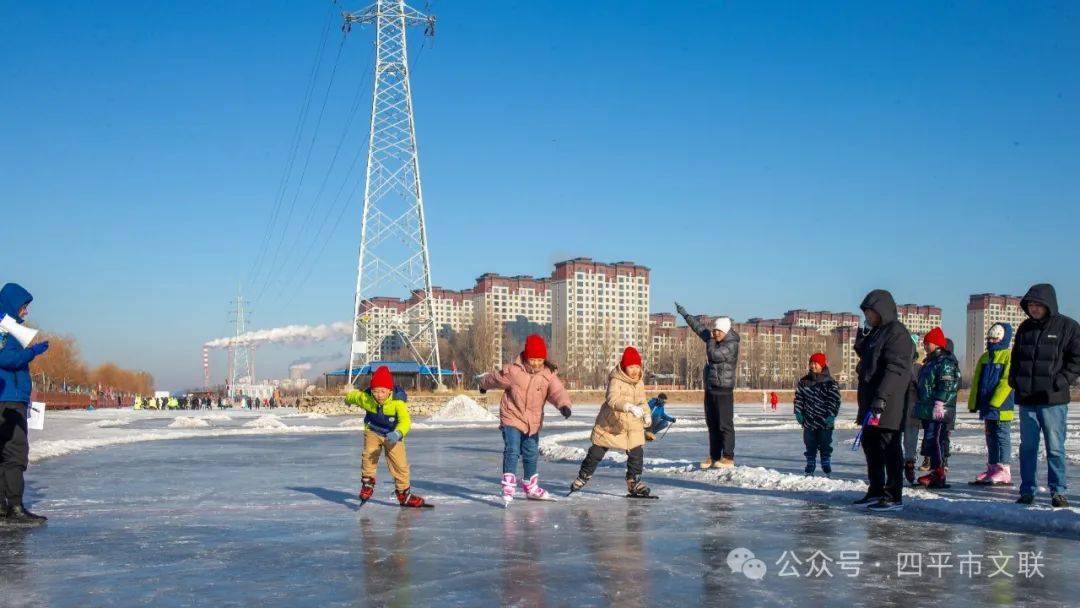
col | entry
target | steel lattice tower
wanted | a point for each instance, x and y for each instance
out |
(241, 363)
(393, 237)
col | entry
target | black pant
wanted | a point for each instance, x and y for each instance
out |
(884, 461)
(14, 450)
(635, 462)
(720, 418)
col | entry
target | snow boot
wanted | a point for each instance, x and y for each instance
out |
(983, 479)
(935, 479)
(509, 483)
(1058, 501)
(636, 489)
(1001, 476)
(577, 484)
(533, 491)
(18, 515)
(707, 463)
(826, 467)
(925, 466)
(367, 488)
(909, 472)
(724, 463)
(407, 499)
(809, 469)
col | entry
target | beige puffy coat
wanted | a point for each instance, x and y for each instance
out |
(615, 426)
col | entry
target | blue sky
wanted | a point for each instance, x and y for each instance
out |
(757, 156)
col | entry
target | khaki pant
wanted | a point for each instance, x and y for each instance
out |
(396, 460)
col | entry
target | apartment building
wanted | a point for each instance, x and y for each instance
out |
(919, 319)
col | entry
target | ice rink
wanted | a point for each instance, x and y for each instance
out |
(249, 508)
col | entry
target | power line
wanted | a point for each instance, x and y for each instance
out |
(279, 198)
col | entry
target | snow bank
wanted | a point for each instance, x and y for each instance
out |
(462, 408)
(110, 423)
(265, 422)
(352, 423)
(189, 422)
(957, 508)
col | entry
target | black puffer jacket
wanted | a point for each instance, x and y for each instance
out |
(1046, 353)
(722, 368)
(885, 359)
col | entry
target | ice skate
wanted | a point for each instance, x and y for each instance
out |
(407, 499)
(367, 488)
(509, 482)
(577, 484)
(636, 489)
(533, 491)
(826, 467)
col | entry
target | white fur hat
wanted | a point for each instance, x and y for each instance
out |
(996, 332)
(722, 324)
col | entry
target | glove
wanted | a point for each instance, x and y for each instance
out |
(39, 348)
(636, 411)
(394, 436)
(565, 411)
(799, 418)
(939, 410)
(878, 407)
(673, 420)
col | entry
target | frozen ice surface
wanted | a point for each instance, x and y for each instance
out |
(235, 516)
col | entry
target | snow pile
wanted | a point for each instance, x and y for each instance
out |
(189, 422)
(265, 422)
(110, 423)
(217, 417)
(352, 423)
(462, 408)
(839, 492)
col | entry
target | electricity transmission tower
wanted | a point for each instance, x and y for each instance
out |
(393, 237)
(241, 363)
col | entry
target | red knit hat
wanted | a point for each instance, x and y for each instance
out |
(936, 337)
(820, 359)
(382, 378)
(535, 348)
(630, 356)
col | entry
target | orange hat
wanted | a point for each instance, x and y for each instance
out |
(382, 378)
(936, 337)
(630, 356)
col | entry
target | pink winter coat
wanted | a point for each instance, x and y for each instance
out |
(524, 395)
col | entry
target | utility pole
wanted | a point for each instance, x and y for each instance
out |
(393, 237)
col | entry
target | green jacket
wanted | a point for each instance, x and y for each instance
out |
(939, 380)
(391, 408)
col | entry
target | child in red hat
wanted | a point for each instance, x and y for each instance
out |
(817, 402)
(386, 424)
(527, 384)
(935, 405)
(621, 425)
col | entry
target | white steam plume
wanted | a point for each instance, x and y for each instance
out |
(290, 334)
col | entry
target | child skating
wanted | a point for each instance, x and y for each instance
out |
(386, 424)
(527, 384)
(817, 402)
(660, 418)
(621, 425)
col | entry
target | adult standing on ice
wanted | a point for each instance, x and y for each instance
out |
(721, 369)
(15, 389)
(620, 425)
(992, 397)
(885, 355)
(1045, 363)
(527, 384)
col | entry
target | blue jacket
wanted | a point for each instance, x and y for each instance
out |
(15, 383)
(991, 394)
(656, 408)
